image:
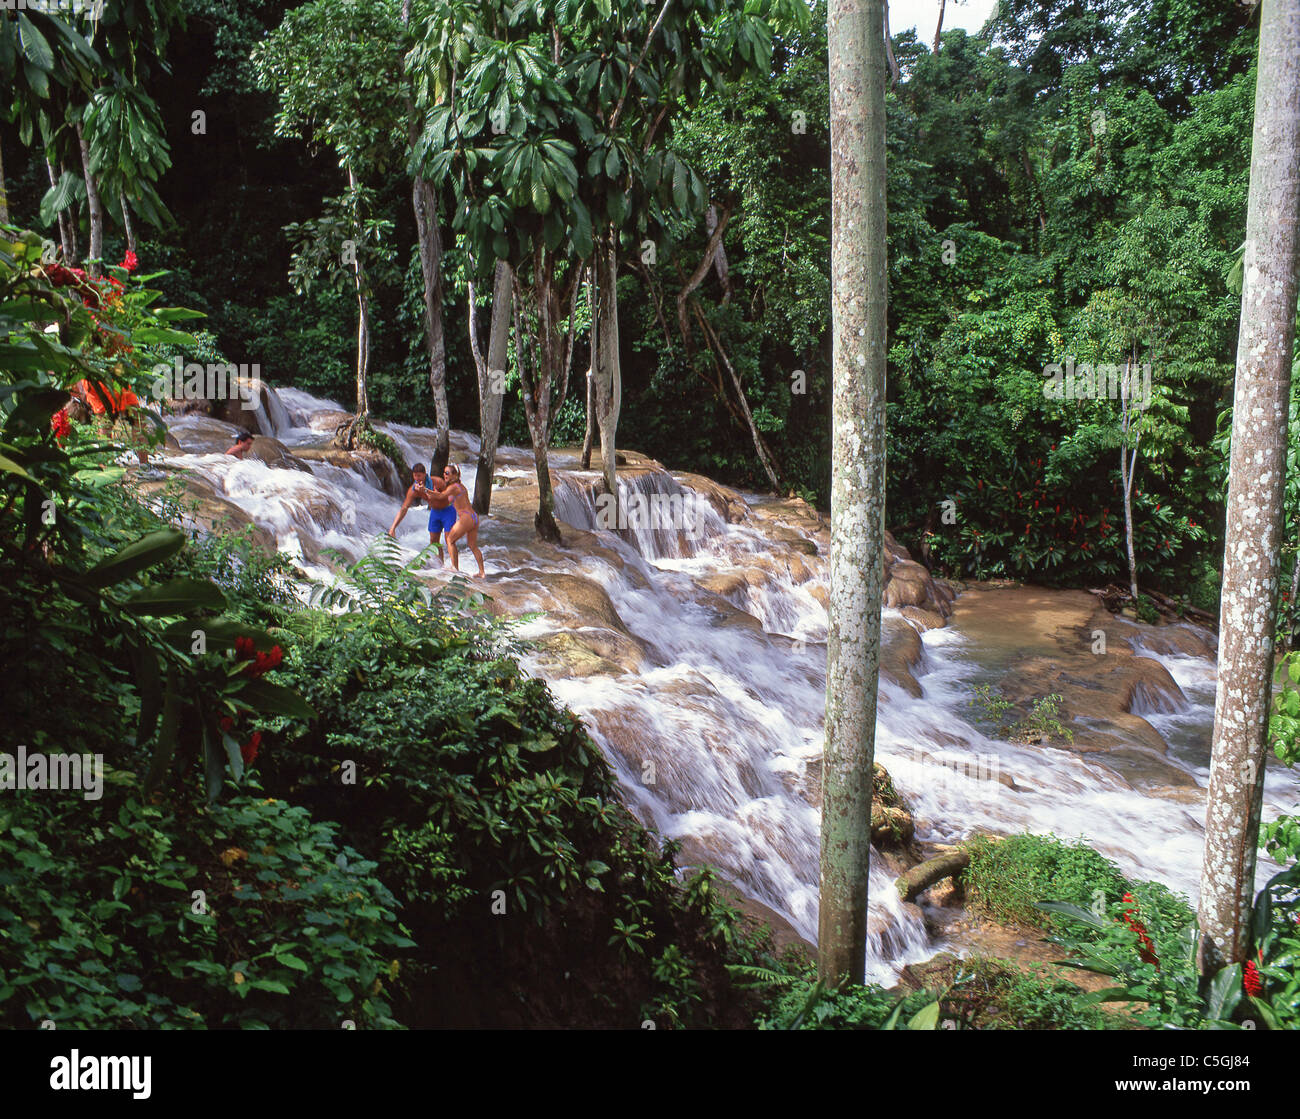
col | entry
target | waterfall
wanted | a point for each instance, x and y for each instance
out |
(700, 671)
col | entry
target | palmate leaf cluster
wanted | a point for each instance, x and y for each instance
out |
(551, 121)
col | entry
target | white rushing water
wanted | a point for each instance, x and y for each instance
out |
(713, 735)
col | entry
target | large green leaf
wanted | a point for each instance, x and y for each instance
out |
(136, 557)
(165, 748)
(180, 596)
(274, 699)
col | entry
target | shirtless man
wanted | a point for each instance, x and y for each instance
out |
(466, 519)
(243, 444)
(441, 514)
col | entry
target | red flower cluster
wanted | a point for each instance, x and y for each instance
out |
(1251, 982)
(260, 662)
(129, 262)
(60, 425)
(1146, 946)
(248, 751)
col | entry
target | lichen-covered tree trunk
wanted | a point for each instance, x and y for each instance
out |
(4, 195)
(590, 434)
(491, 385)
(363, 310)
(93, 206)
(606, 368)
(430, 241)
(858, 305)
(1255, 487)
(539, 357)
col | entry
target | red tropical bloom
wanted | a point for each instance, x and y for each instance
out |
(248, 751)
(60, 425)
(1251, 981)
(130, 261)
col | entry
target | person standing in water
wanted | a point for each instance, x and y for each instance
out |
(441, 514)
(466, 519)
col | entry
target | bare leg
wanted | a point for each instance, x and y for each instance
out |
(472, 538)
(457, 531)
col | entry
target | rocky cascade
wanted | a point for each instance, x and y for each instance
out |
(688, 631)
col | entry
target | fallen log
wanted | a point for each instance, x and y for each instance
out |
(933, 870)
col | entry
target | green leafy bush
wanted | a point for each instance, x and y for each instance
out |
(122, 913)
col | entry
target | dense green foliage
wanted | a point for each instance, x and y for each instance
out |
(1067, 186)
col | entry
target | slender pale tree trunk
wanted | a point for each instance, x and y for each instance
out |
(538, 360)
(430, 240)
(1256, 478)
(363, 308)
(608, 375)
(1127, 469)
(858, 306)
(93, 205)
(126, 224)
(491, 383)
(590, 433)
(720, 264)
(943, 4)
(429, 237)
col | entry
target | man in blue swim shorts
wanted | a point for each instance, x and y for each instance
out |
(442, 514)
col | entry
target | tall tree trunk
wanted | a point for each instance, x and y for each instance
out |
(889, 51)
(430, 240)
(1128, 468)
(491, 384)
(939, 28)
(590, 433)
(363, 309)
(64, 219)
(760, 445)
(93, 206)
(429, 236)
(126, 224)
(720, 255)
(608, 374)
(1257, 474)
(538, 359)
(858, 305)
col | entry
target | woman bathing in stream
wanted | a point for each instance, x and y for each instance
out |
(466, 525)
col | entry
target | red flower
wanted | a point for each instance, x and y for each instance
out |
(129, 262)
(227, 724)
(264, 662)
(1251, 981)
(1146, 946)
(59, 424)
(244, 648)
(248, 751)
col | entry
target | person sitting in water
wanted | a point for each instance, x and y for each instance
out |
(441, 514)
(243, 444)
(466, 519)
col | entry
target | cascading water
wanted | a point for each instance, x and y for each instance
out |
(712, 715)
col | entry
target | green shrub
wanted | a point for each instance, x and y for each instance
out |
(1008, 877)
(121, 913)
